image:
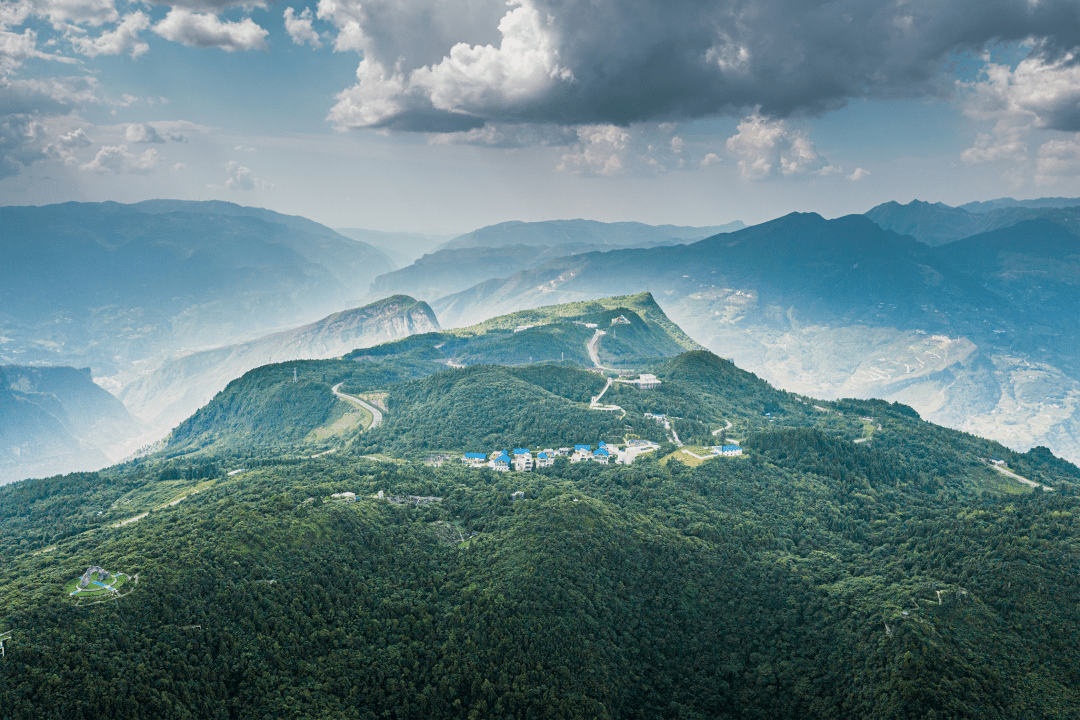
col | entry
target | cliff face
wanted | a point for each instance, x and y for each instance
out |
(178, 388)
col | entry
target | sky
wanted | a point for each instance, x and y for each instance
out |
(442, 116)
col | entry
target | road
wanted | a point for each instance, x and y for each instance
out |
(728, 427)
(1016, 477)
(376, 414)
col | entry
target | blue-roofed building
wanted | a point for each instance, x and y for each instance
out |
(581, 452)
(602, 456)
(522, 451)
(501, 463)
(727, 450)
(523, 460)
(543, 459)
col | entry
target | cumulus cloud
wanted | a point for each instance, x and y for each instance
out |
(1058, 160)
(122, 39)
(65, 146)
(240, 177)
(67, 14)
(711, 159)
(142, 164)
(859, 174)
(109, 159)
(21, 143)
(620, 62)
(768, 148)
(599, 151)
(299, 28)
(199, 30)
(142, 133)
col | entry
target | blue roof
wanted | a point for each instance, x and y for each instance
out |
(503, 458)
(602, 443)
(522, 451)
(583, 447)
(601, 451)
(732, 447)
(542, 456)
(475, 456)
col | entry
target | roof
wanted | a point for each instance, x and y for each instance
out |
(522, 451)
(475, 456)
(601, 451)
(542, 456)
(583, 447)
(602, 444)
(503, 458)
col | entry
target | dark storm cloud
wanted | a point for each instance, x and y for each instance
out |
(624, 61)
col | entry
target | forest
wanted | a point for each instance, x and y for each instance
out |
(813, 577)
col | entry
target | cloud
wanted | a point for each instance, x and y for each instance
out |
(859, 174)
(65, 146)
(197, 30)
(16, 48)
(767, 148)
(123, 39)
(299, 28)
(710, 160)
(240, 177)
(66, 14)
(621, 62)
(142, 133)
(21, 143)
(1058, 160)
(109, 159)
(145, 162)
(600, 151)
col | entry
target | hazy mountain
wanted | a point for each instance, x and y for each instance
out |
(588, 232)
(56, 420)
(449, 271)
(105, 285)
(178, 388)
(1050, 202)
(937, 224)
(842, 308)
(401, 247)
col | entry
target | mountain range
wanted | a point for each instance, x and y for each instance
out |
(284, 555)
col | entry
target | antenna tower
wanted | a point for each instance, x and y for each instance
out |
(5, 636)
(294, 376)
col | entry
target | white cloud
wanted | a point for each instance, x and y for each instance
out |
(145, 162)
(859, 174)
(599, 150)
(196, 30)
(109, 159)
(240, 177)
(65, 146)
(16, 48)
(374, 98)
(123, 39)
(66, 14)
(1058, 160)
(768, 148)
(142, 133)
(299, 28)
(179, 166)
(711, 159)
(21, 141)
(479, 79)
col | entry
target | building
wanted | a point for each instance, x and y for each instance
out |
(545, 458)
(646, 382)
(581, 452)
(346, 496)
(562, 452)
(519, 495)
(474, 459)
(602, 456)
(501, 463)
(727, 450)
(523, 460)
(621, 320)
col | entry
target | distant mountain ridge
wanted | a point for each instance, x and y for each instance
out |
(549, 233)
(938, 224)
(178, 388)
(105, 285)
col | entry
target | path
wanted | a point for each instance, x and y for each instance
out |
(594, 403)
(376, 414)
(720, 430)
(1024, 480)
(594, 351)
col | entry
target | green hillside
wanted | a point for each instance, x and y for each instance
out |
(855, 561)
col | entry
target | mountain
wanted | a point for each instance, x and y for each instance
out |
(937, 224)
(401, 247)
(842, 308)
(445, 272)
(1050, 202)
(550, 233)
(109, 285)
(855, 561)
(55, 420)
(179, 387)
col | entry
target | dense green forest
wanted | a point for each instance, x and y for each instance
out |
(855, 562)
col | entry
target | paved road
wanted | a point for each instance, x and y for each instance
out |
(1016, 477)
(376, 414)
(728, 427)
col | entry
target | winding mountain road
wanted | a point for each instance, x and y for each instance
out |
(376, 414)
(1014, 476)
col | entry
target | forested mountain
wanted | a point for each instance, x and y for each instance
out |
(841, 308)
(174, 391)
(1046, 202)
(550, 233)
(106, 285)
(48, 417)
(856, 561)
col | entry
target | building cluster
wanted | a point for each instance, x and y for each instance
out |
(726, 450)
(522, 459)
(643, 382)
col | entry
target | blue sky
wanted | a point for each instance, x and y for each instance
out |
(445, 116)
